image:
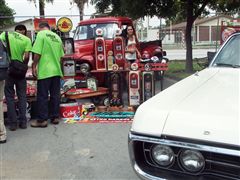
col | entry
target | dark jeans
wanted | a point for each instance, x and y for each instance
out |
(44, 88)
(22, 100)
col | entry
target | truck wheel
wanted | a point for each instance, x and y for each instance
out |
(96, 100)
(105, 101)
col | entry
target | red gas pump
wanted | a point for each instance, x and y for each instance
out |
(100, 51)
(115, 94)
(118, 49)
(134, 85)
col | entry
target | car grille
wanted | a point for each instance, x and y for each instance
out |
(217, 164)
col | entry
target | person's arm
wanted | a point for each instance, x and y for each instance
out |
(28, 48)
(26, 58)
(36, 59)
(37, 50)
(138, 53)
(137, 47)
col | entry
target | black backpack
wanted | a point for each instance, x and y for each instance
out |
(4, 61)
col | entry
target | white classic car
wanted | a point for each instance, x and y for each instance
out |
(191, 130)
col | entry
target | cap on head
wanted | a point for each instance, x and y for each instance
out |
(43, 25)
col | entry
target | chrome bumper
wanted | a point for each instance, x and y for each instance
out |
(136, 168)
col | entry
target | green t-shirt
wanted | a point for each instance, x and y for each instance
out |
(49, 45)
(19, 44)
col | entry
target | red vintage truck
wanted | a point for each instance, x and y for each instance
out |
(84, 43)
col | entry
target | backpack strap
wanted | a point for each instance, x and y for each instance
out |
(7, 43)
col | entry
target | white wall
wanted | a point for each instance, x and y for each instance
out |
(168, 39)
(153, 34)
(215, 22)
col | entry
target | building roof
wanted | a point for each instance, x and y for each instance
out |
(198, 21)
(16, 23)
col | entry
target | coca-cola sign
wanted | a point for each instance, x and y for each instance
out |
(70, 110)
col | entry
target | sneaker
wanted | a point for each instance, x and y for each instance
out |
(23, 125)
(3, 141)
(36, 124)
(55, 121)
(13, 127)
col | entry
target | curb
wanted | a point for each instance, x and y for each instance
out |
(174, 80)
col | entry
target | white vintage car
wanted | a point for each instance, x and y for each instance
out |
(191, 130)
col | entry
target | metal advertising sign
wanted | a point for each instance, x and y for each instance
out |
(64, 24)
(51, 22)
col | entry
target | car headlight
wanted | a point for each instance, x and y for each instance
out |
(192, 161)
(163, 155)
(84, 68)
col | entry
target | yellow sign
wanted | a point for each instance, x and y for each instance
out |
(64, 24)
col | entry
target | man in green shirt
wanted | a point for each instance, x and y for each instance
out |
(48, 50)
(20, 46)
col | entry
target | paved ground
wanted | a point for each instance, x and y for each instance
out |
(71, 152)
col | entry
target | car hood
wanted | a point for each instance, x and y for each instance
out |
(204, 106)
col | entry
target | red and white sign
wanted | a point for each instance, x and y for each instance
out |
(70, 111)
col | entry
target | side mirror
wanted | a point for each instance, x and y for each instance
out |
(210, 56)
(164, 53)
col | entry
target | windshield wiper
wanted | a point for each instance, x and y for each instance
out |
(228, 65)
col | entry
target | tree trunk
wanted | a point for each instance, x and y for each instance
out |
(188, 37)
(41, 8)
(81, 9)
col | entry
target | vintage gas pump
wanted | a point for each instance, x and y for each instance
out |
(110, 60)
(118, 49)
(100, 51)
(115, 95)
(148, 88)
(134, 85)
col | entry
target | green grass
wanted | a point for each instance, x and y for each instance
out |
(176, 69)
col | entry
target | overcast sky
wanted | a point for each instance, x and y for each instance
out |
(59, 7)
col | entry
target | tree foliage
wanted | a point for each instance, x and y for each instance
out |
(6, 12)
(80, 4)
(41, 4)
(135, 8)
(174, 10)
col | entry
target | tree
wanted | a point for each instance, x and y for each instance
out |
(188, 10)
(7, 14)
(80, 5)
(41, 6)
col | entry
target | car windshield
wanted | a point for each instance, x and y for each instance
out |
(229, 56)
(86, 32)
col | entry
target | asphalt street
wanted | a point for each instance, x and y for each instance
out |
(69, 151)
(180, 54)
